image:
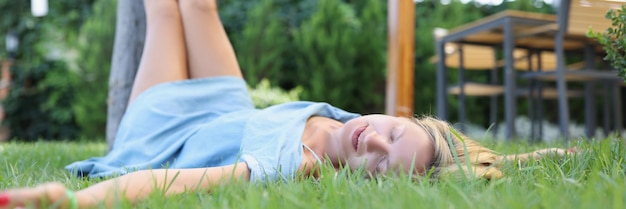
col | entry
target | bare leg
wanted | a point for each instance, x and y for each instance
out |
(210, 53)
(164, 55)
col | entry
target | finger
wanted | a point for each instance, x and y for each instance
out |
(30, 196)
(4, 199)
(21, 197)
(573, 150)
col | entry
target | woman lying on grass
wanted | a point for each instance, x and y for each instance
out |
(190, 112)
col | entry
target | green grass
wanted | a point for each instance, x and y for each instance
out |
(592, 179)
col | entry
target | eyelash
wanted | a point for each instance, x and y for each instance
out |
(380, 163)
(384, 159)
(394, 135)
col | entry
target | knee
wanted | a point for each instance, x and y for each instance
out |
(161, 9)
(201, 5)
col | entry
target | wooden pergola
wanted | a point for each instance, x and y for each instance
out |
(400, 58)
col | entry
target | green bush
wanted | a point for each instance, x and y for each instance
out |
(431, 14)
(281, 17)
(614, 40)
(329, 48)
(261, 45)
(95, 48)
(263, 95)
(39, 105)
(334, 50)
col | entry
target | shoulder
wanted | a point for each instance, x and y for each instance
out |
(313, 109)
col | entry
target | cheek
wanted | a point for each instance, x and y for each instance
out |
(409, 157)
(357, 162)
(348, 128)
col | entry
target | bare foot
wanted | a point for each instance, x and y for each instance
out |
(49, 194)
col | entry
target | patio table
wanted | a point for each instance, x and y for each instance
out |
(495, 30)
(509, 29)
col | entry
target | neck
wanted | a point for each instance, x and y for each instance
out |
(309, 165)
(317, 136)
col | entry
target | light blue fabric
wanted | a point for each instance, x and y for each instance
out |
(206, 123)
(272, 145)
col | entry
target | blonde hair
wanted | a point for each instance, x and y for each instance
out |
(483, 162)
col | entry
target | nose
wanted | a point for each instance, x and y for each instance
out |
(374, 142)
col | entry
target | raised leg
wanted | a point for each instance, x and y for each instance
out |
(210, 53)
(164, 57)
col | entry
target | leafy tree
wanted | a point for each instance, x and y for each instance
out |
(613, 39)
(40, 100)
(95, 47)
(261, 45)
(431, 14)
(39, 103)
(328, 56)
(371, 53)
(286, 15)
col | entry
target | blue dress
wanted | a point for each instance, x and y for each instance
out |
(208, 122)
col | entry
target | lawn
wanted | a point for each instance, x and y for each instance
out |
(592, 179)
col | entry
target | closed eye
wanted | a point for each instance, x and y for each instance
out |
(397, 133)
(382, 164)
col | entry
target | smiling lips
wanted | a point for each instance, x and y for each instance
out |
(356, 135)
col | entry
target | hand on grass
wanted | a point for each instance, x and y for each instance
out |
(49, 194)
(557, 152)
(538, 154)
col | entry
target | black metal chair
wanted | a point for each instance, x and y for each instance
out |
(573, 21)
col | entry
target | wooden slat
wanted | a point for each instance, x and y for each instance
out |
(474, 57)
(400, 58)
(540, 42)
(580, 76)
(584, 14)
(552, 93)
(477, 89)
(483, 58)
(547, 43)
(510, 13)
(549, 28)
(548, 61)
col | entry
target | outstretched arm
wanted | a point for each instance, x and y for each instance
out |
(134, 186)
(538, 154)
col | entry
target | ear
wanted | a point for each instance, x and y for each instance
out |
(493, 174)
(489, 172)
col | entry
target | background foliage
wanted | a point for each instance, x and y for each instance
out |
(95, 48)
(263, 95)
(613, 40)
(334, 50)
(42, 91)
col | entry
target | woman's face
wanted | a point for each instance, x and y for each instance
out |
(382, 143)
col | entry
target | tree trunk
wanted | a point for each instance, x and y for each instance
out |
(129, 40)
